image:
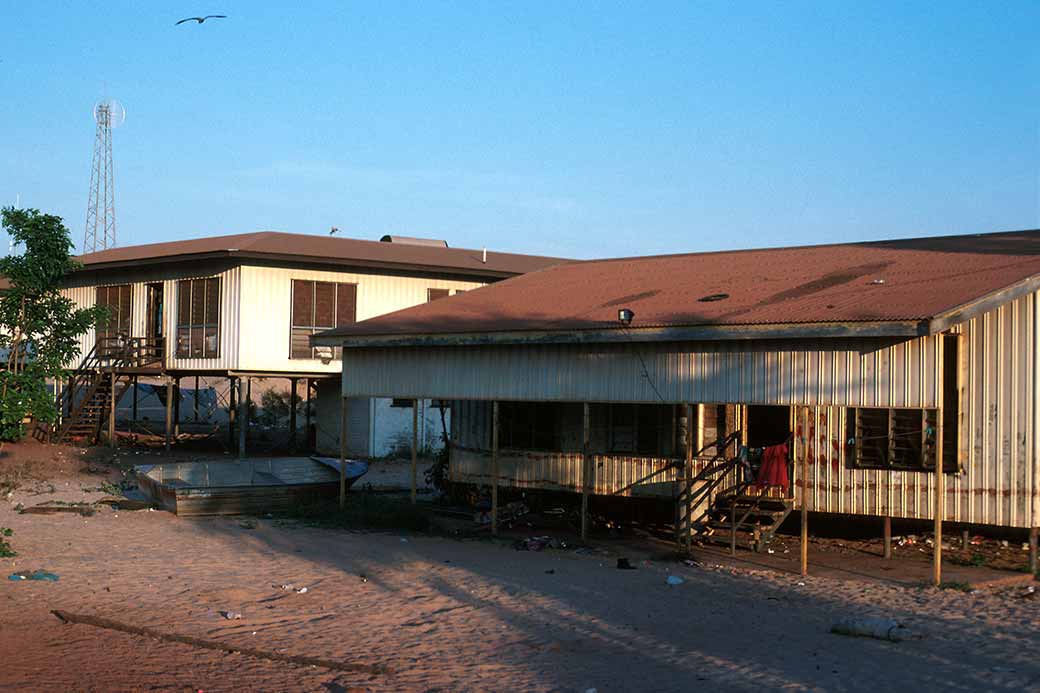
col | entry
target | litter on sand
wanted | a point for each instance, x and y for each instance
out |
(674, 580)
(231, 615)
(623, 564)
(878, 628)
(34, 575)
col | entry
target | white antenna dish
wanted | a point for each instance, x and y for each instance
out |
(110, 109)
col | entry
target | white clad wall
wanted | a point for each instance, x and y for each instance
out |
(267, 310)
(84, 295)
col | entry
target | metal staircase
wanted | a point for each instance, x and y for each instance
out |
(718, 505)
(87, 400)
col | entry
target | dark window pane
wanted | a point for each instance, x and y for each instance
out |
(324, 305)
(434, 294)
(183, 303)
(346, 304)
(303, 303)
(212, 316)
(183, 340)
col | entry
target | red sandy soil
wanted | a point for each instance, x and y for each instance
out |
(446, 614)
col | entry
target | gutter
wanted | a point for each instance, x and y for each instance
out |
(899, 329)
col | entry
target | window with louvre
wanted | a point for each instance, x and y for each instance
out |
(198, 318)
(319, 306)
(434, 294)
(116, 323)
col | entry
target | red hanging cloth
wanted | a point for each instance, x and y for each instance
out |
(773, 471)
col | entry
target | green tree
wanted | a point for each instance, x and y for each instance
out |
(38, 326)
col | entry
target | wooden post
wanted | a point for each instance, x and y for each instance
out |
(940, 493)
(965, 539)
(343, 452)
(307, 412)
(494, 467)
(586, 460)
(804, 483)
(415, 446)
(112, 409)
(176, 407)
(1033, 532)
(243, 416)
(169, 413)
(292, 414)
(133, 412)
(232, 412)
(196, 399)
(687, 527)
(888, 538)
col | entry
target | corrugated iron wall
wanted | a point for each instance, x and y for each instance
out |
(999, 480)
(855, 373)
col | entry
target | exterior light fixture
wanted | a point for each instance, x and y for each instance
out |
(625, 315)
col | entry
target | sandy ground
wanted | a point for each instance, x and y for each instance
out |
(446, 614)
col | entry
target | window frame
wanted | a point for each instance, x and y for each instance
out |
(124, 318)
(186, 330)
(297, 329)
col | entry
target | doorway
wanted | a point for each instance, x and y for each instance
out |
(767, 425)
(154, 317)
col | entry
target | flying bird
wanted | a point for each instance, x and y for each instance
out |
(334, 230)
(200, 20)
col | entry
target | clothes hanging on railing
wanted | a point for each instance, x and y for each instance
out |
(773, 471)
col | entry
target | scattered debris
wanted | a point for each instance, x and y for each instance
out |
(33, 575)
(50, 508)
(231, 615)
(692, 563)
(539, 544)
(248, 523)
(293, 588)
(879, 628)
(674, 580)
(623, 564)
(551, 571)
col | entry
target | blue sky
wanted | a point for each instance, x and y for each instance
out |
(571, 129)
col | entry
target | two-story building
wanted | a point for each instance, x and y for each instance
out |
(244, 306)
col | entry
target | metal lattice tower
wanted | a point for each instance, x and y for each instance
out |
(101, 203)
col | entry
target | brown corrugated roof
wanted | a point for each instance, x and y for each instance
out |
(324, 250)
(876, 282)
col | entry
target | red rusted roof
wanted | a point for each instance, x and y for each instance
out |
(885, 281)
(323, 250)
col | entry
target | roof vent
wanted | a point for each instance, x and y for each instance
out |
(408, 240)
(711, 298)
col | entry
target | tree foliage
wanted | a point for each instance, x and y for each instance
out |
(39, 327)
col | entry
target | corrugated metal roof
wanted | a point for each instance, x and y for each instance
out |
(323, 250)
(884, 281)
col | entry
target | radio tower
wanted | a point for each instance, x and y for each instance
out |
(101, 203)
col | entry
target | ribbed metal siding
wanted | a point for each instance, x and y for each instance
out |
(998, 481)
(267, 310)
(85, 297)
(865, 373)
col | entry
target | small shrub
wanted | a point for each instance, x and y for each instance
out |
(5, 546)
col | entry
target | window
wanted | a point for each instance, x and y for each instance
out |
(897, 439)
(434, 294)
(636, 429)
(198, 318)
(400, 403)
(319, 306)
(116, 299)
(529, 426)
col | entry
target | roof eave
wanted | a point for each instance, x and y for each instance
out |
(482, 272)
(694, 333)
(983, 304)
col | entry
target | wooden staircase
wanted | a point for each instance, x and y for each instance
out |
(743, 514)
(86, 403)
(733, 508)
